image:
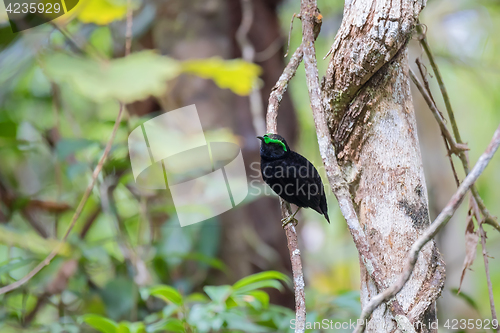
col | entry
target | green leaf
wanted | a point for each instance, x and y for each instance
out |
(231, 303)
(174, 325)
(197, 298)
(31, 242)
(259, 285)
(166, 293)
(269, 275)
(467, 298)
(122, 328)
(100, 323)
(200, 257)
(129, 79)
(102, 40)
(261, 296)
(218, 294)
(128, 327)
(238, 75)
(8, 129)
(15, 263)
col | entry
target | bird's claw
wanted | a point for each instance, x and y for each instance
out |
(288, 220)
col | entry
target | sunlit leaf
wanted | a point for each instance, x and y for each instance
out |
(238, 75)
(122, 328)
(102, 40)
(100, 323)
(197, 298)
(259, 285)
(129, 79)
(174, 325)
(218, 294)
(128, 327)
(269, 275)
(261, 296)
(102, 12)
(166, 293)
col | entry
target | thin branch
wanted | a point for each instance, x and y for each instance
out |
(488, 218)
(128, 33)
(76, 215)
(476, 200)
(290, 34)
(433, 229)
(435, 69)
(89, 188)
(90, 221)
(279, 90)
(311, 20)
(482, 233)
(248, 54)
(291, 234)
(454, 147)
(423, 72)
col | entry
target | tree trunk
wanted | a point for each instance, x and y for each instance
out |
(366, 95)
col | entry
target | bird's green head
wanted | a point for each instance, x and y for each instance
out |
(273, 146)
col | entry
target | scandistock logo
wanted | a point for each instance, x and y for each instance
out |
(204, 178)
(26, 14)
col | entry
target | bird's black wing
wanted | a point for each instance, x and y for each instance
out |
(296, 180)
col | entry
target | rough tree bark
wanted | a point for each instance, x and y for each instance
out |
(367, 100)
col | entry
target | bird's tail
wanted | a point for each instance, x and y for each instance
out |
(326, 216)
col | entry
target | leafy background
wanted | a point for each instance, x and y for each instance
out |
(128, 266)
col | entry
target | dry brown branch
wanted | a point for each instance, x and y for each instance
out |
(311, 19)
(482, 233)
(76, 215)
(488, 218)
(89, 188)
(291, 234)
(431, 231)
(455, 148)
(475, 201)
(423, 72)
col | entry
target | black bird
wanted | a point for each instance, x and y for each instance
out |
(291, 176)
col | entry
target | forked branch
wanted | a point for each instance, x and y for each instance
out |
(430, 232)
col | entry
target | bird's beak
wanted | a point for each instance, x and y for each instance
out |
(260, 138)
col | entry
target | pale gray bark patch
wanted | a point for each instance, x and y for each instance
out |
(367, 98)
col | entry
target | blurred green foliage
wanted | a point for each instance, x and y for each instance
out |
(136, 270)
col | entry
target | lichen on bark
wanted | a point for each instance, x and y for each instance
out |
(367, 98)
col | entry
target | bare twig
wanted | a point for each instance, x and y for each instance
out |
(248, 54)
(291, 234)
(435, 69)
(76, 215)
(482, 233)
(488, 218)
(423, 72)
(269, 51)
(454, 147)
(310, 21)
(279, 90)
(430, 232)
(290, 34)
(128, 33)
(90, 221)
(476, 200)
(89, 188)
